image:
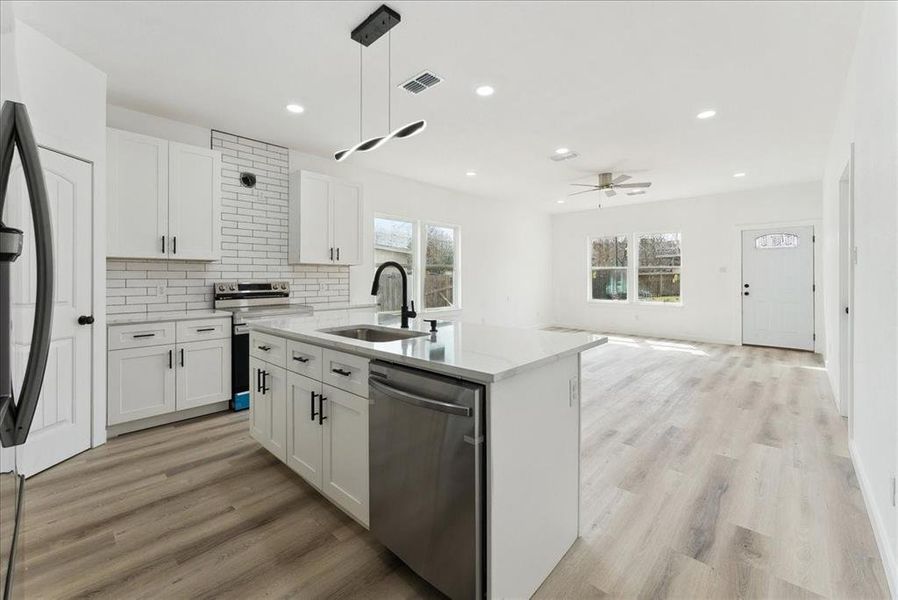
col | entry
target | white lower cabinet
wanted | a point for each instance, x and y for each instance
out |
(204, 373)
(151, 372)
(141, 383)
(304, 427)
(346, 451)
(268, 406)
(326, 428)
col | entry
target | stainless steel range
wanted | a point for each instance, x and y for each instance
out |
(249, 300)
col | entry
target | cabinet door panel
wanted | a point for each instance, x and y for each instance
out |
(194, 202)
(346, 451)
(204, 373)
(346, 199)
(141, 383)
(268, 406)
(259, 404)
(304, 432)
(315, 238)
(137, 195)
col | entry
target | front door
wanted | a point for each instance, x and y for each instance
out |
(62, 421)
(778, 287)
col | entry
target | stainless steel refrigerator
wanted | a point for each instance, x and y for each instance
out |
(17, 409)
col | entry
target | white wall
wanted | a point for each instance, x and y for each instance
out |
(711, 250)
(869, 118)
(505, 250)
(66, 101)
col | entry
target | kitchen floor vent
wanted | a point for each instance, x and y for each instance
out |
(421, 82)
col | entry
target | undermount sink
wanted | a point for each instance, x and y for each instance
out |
(370, 333)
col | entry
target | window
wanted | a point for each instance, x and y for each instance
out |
(608, 268)
(776, 240)
(394, 239)
(440, 267)
(658, 276)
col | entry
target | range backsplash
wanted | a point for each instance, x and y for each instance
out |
(253, 242)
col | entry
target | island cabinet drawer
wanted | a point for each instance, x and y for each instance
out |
(304, 359)
(345, 371)
(269, 348)
(141, 335)
(204, 329)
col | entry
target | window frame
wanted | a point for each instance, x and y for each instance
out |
(456, 267)
(590, 268)
(632, 270)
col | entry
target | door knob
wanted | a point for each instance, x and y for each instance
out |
(745, 293)
(86, 320)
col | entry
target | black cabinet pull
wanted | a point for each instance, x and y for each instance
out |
(341, 372)
(265, 387)
(169, 359)
(205, 329)
(174, 244)
(746, 285)
(143, 335)
(258, 380)
(314, 414)
(332, 254)
(182, 357)
(338, 254)
(163, 244)
(86, 320)
(301, 359)
(321, 416)
(745, 293)
(264, 348)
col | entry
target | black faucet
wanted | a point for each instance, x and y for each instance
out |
(406, 313)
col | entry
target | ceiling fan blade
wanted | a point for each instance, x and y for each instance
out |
(620, 179)
(634, 185)
(610, 193)
(640, 193)
(592, 185)
(584, 192)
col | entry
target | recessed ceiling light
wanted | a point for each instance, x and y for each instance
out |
(706, 114)
(740, 174)
(562, 150)
(295, 108)
(485, 90)
(560, 201)
(471, 174)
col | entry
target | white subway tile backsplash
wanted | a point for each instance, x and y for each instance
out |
(254, 243)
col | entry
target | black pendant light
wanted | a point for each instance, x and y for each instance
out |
(369, 31)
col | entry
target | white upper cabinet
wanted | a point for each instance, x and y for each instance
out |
(325, 217)
(164, 198)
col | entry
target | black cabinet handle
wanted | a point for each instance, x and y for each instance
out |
(745, 293)
(338, 254)
(314, 414)
(143, 335)
(205, 329)
(265, 387)
(258, 380)
(163, 244)
(182, 357)
(321, 416)
(746, 285)
(332, 254)
(301, 359)
(86, 320)
(264, 348)
(341, 372)
(174, 244)
(846, 310)
(169, 359)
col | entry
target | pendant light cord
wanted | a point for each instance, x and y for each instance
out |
(390, 81)
(361, 96)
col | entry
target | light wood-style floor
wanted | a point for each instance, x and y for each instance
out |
(708, 472)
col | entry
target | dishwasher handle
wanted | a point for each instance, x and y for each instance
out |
(417, 400)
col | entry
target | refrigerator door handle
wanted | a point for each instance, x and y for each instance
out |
(16, 132)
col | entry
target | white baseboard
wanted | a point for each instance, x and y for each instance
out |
(879, 530)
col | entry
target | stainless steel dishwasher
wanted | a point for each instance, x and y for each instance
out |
(427, 483)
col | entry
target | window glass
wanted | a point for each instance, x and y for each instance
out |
(394, 240)
(440, 266)
(658, 277)
(608, 272)
(776, 240)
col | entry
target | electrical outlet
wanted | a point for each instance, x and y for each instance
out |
(574, 395)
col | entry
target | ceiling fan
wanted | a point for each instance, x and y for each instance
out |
(608, 184)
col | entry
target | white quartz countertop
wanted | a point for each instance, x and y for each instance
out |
(473, 351)
(160, 317)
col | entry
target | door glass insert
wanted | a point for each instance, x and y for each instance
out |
(773, 241)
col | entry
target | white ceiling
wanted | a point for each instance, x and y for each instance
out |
(620, 83)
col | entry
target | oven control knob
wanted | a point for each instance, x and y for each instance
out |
(232, 287)
(220, 287)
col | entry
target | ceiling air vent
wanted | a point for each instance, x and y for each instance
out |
(420, 82)
(565, 156)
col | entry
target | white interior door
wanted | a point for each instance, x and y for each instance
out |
(778, 287)
(62, 421)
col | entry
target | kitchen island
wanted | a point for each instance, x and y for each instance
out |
(529, 441)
